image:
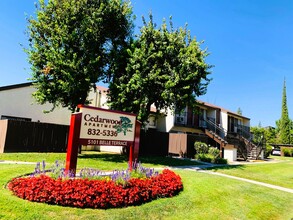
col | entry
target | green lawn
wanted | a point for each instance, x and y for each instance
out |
(204, 196)
(103, 161)
(279, 172)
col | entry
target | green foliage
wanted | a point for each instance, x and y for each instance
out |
(204, 157)
(73, 44)
(287, 152)
(210, 158)
(201, 148)
(239, 111)
(268, 134)
(220, 160)
(268, 150)
(165, 67)
(284, 124)
(214, 152)
(208, 154)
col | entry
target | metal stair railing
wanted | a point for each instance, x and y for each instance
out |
(212, 126)
(241, 134)
(222, 132)
(247, 137)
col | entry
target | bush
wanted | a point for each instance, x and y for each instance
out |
(201, 148)
(204, 157)
(220, 160)
(291, 152)
(286, 152)
(214, 152)
(208, 154)
(268, 151)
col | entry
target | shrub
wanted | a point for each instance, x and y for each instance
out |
(268, 151)
(204, 157)
(286, 152)
(85, 193)
(201, 148)
(220, 160)
(208, 154)
(214, 152)
(291, 152)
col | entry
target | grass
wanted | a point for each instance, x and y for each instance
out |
(276, 173)
(204, 196)
(102, 161)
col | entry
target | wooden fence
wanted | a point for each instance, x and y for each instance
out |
(23, 136)
(162, 144)
(153, 143)
(183, 144)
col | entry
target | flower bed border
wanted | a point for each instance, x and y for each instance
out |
(85, 193)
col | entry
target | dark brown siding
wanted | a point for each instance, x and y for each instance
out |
(183, 144)
(25, 136)
(177, 143)
(153, 143)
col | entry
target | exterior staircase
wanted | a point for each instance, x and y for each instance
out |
(246, 149)
(215, 137)
(254, 150)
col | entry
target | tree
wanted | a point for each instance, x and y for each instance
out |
(239, 111)
(284, 124)
(259, 134)
(74, 44)
(270, 135)
(165, 67)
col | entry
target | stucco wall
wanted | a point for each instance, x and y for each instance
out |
(18, 102)
(230, 154)
(224, 120)
(165, 123)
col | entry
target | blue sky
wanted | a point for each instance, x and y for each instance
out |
(250, 44)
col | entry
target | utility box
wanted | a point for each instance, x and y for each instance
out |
(230, 154)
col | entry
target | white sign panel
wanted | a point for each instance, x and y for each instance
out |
(106, 127)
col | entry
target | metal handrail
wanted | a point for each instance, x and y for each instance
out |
(219, 130)
(216, 128)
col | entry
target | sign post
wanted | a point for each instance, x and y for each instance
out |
(73, 143)
(136, 140)
(96, 126)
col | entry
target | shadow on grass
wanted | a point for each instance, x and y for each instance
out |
(155, 160)
(167, 161)
(116, 158)
(227, 167)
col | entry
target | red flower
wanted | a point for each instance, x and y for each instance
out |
(104, 194)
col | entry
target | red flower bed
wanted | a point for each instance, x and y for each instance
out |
(104, 194)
